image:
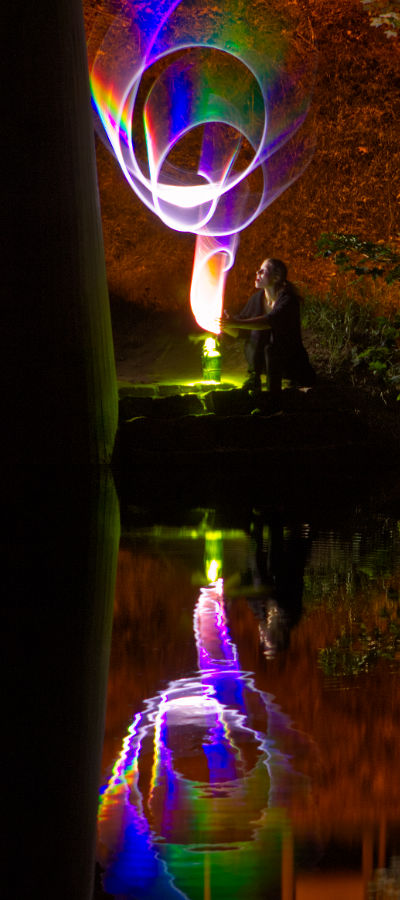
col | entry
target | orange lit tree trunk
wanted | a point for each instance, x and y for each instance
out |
(59, 384)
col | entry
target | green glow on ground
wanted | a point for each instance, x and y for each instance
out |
(201, 385)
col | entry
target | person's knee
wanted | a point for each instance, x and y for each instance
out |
(255, 359)
(274, 362)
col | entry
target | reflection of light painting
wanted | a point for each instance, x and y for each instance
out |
(197, 803)
(225, 86)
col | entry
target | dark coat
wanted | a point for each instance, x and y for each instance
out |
(283, 340)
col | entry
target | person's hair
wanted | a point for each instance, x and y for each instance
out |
(279, 269)
(280, 272)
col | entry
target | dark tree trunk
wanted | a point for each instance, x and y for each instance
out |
(59, 411)
(59, 384)
(58, 581)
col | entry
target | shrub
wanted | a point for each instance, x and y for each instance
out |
(347, 319)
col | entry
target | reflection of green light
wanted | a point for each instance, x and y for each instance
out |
(226, 870)
(213, 569)
(266, 534)
(213, 552)
(160, 533)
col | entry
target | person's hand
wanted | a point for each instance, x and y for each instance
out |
(227, 318)
(226, 325)
(223, 320)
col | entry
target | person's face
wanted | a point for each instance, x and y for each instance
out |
(264, 275)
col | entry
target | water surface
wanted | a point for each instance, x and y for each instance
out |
(252, 733)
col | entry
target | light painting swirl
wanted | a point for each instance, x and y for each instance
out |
(199, 798)
(203, 107)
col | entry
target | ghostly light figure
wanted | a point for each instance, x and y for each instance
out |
(234, 90)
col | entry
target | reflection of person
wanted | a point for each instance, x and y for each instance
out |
(273, 580)
(274, 346)
(280, 563)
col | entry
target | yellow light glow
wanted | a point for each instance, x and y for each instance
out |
(211, 263)
(210, 344)
(213, 567)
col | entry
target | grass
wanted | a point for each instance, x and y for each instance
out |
(352, 339)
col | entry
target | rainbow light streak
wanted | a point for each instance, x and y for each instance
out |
(147, 842)
(233, 90)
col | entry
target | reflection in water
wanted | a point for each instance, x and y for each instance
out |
(198, 801)
(58, 582)
(270, 770)
(273, 579)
